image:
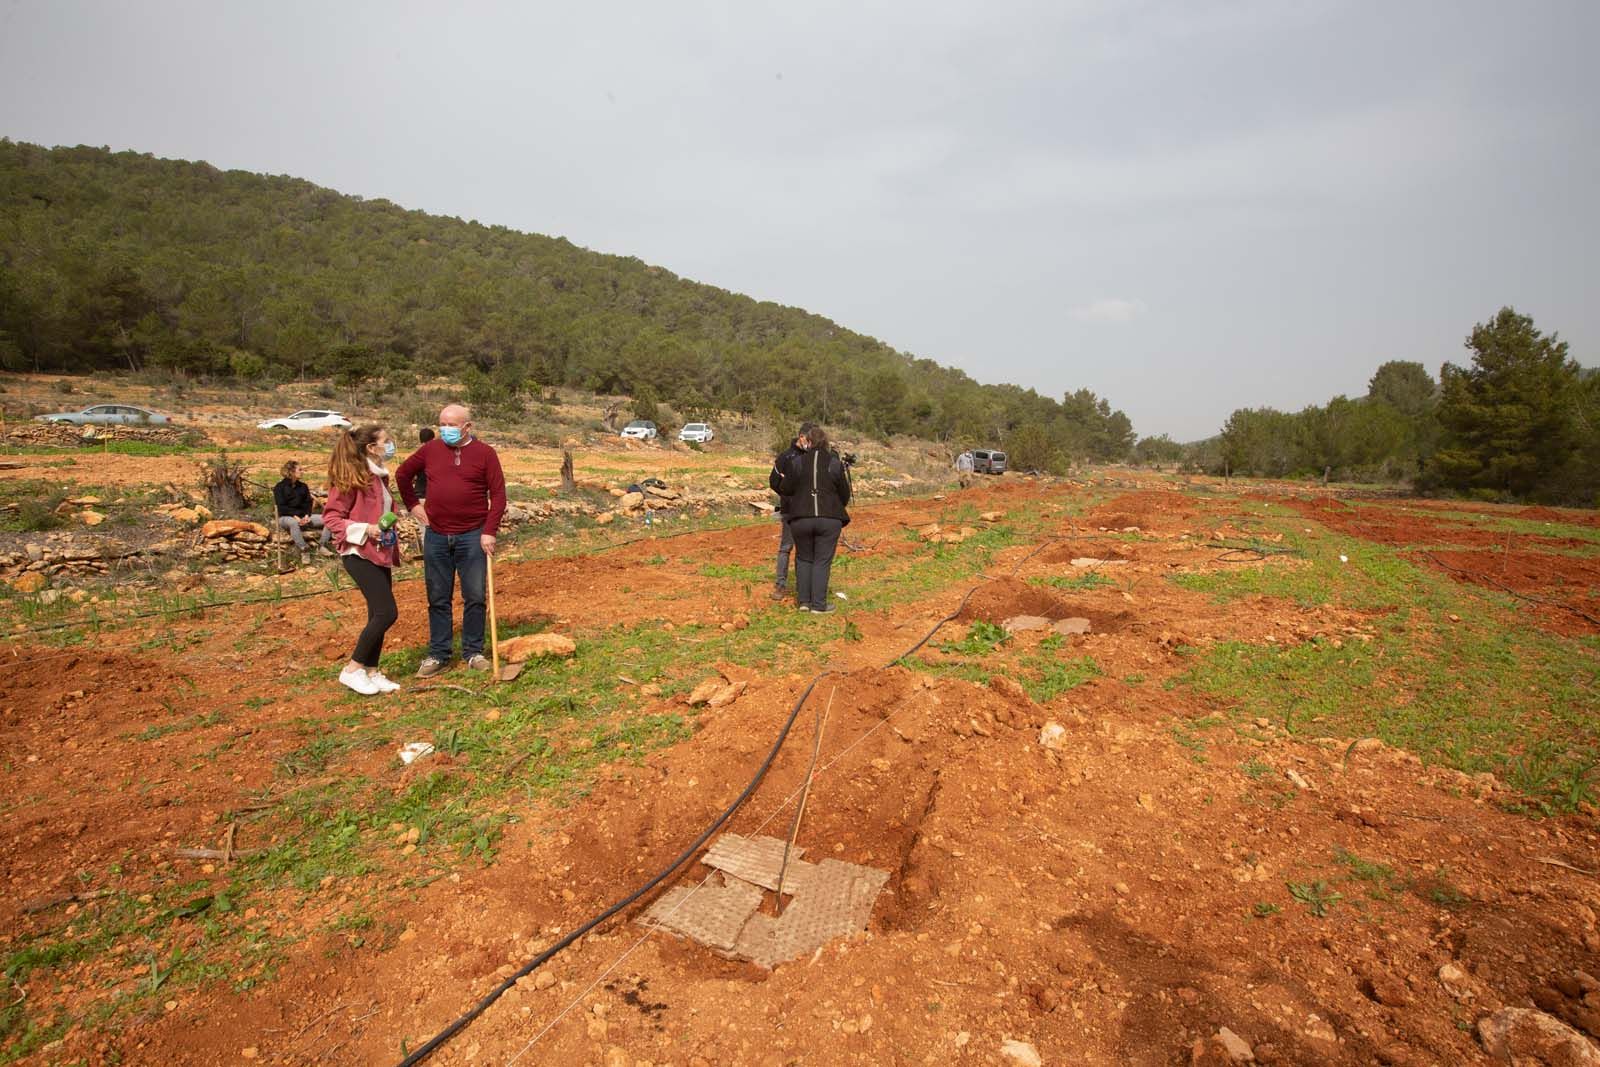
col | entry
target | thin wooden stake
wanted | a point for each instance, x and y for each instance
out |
(805, 794)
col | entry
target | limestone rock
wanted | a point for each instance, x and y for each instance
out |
(31, 582)
(605, 518)
(706, 690)
(1021, 1053)
(1009, 689)
(1053, 737)
(1070, 626)
(233, 530)
(1238, 1049)
(1024, 623)
(530, 646)
(91, 518)
(631, 501)
(1527, 1038)
(726, 695)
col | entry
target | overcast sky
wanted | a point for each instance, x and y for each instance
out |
(1187, 207)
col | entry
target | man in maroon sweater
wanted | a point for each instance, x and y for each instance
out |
(466, 499)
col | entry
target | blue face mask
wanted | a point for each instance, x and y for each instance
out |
(388, 450)
(450, 435)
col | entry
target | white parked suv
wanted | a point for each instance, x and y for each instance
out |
(697, 432)
(640, 430)
(306, 420)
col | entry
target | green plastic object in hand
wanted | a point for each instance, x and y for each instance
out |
(387, 520)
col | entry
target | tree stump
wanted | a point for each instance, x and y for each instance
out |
(224, 485)
(568, 482)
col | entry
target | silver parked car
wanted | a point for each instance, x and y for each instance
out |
(108, 415)
(696, 432)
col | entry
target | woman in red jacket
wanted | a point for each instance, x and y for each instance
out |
(360, 515)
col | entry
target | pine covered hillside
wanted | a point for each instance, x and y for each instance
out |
(122, 260)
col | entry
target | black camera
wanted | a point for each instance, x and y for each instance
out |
(848, 459)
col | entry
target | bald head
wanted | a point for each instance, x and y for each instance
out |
(454, 415)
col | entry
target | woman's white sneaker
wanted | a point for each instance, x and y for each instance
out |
(383, 683)
(360, 681)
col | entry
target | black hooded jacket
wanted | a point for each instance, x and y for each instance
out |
(779, 465)
(814, 483)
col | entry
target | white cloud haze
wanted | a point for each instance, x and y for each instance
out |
(1302, 190)
(1107, 311)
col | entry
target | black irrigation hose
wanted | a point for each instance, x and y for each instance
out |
(432, 1045)
(425, 1050)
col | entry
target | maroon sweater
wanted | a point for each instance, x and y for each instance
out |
(466, 488)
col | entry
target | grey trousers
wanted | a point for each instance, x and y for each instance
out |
(785, 546)
(290, 523)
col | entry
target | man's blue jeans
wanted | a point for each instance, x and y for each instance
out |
(444, 556)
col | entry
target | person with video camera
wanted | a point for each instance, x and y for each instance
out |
(815, 487)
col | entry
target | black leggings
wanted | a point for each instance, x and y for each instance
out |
(376, 584)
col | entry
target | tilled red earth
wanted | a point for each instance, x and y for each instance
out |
(1111, 901)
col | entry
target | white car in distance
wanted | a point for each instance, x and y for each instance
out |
(310, 419)
(640, 430)
(696, 433)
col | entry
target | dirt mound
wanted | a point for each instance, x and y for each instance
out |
(1148, 509)
(1008, 597)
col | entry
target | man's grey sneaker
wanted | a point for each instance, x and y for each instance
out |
(478, 662)
(430, 667)
(779, 592)
(823, 610)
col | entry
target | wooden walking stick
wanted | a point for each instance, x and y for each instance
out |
(494, 629)
(805, 794)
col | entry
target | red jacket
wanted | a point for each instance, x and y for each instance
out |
(466, 488)
(353, 518)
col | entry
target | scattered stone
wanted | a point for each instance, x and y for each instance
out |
(631, 501)
(1455, 982)
(1524, 1036)
(1147, 802)
(1053, 737)
(992, 516)
(1238, 1048)
(605, 518)
(531, 646)
(1024, 623)
(1070, 626)
(30, 582)
(1295, 777)
(544, 979)
(707, 689)
(1317, 1028)
(1021, 1052)
(1009, 689)
(35, 553)
(726, 695)
(1387, 990)
(1090, 561)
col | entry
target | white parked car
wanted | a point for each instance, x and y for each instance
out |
(697, 432)
(306, 420)
(640, 429)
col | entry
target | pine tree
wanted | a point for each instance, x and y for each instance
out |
(1508, 419)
